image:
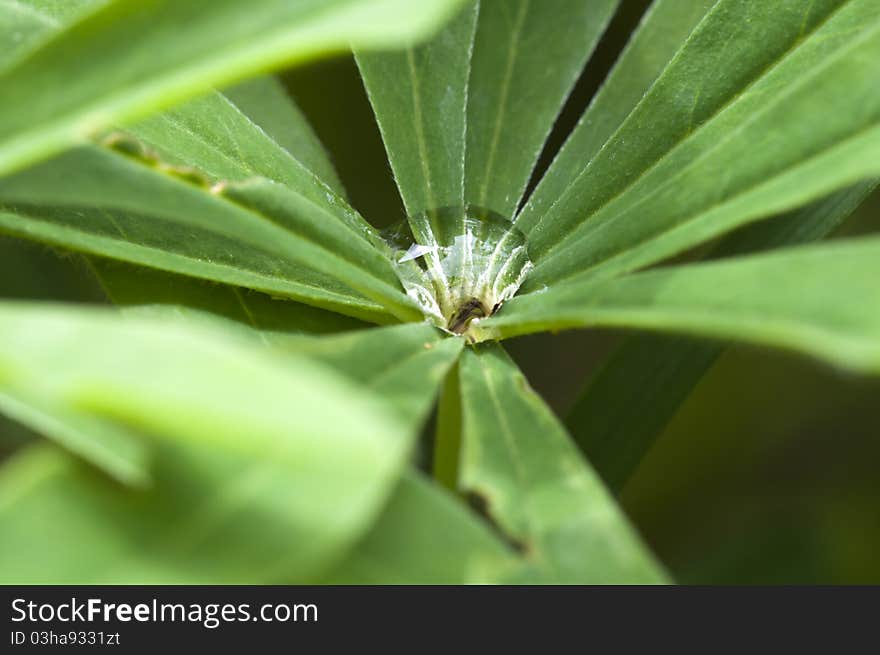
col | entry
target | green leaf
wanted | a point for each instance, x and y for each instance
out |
(452, 150)
(632, 398)
(235, 136)
(519, 462)
(656, 373)
(216, 138)
(266, 103)
(402, 365)
(336, 250)
(26, 24)
(31, 271)
(818, 300)
(742, 124)
(109, 448)
(219, 137)
(423, 536)
(131, 59)
(244, 441)
(147, 289)
(527, 55)
(255, 129)
(446, 456)
(663, 29)
(465, 115)
(419, 97)
(257, 233)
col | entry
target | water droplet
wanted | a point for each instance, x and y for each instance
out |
(415, 251)
(462, 265)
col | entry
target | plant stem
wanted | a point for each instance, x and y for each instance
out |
(447, 437)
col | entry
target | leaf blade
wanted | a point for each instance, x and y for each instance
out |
(816, 300)
(254, 129)
(148, 63)
(137, 288)
(267, 104)
(301, 241)
(666, 24)
(424, 537)
(419, 97)
(610, 434)
(520, 461)
(526, 57)
(215, 137)
(100, 443)
(403, 365)
(192, 390)
(653, 195)
(26, 24)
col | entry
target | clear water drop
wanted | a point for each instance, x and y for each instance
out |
(415, 251)
(461, 265)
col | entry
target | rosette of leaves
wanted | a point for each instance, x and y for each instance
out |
(249, 411)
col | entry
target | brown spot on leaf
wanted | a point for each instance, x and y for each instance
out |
(480, 503)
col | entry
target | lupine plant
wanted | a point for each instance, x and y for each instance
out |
(286, 394)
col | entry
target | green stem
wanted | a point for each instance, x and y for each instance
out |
(447, 438)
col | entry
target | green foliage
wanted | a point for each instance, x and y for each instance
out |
(659, 185)
(130, 59)
(238, 445)
(616, 438)
(523, 470)
(256, 408)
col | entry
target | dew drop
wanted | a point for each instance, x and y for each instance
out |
(461, 265)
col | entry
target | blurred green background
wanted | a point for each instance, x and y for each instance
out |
(766, 475)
